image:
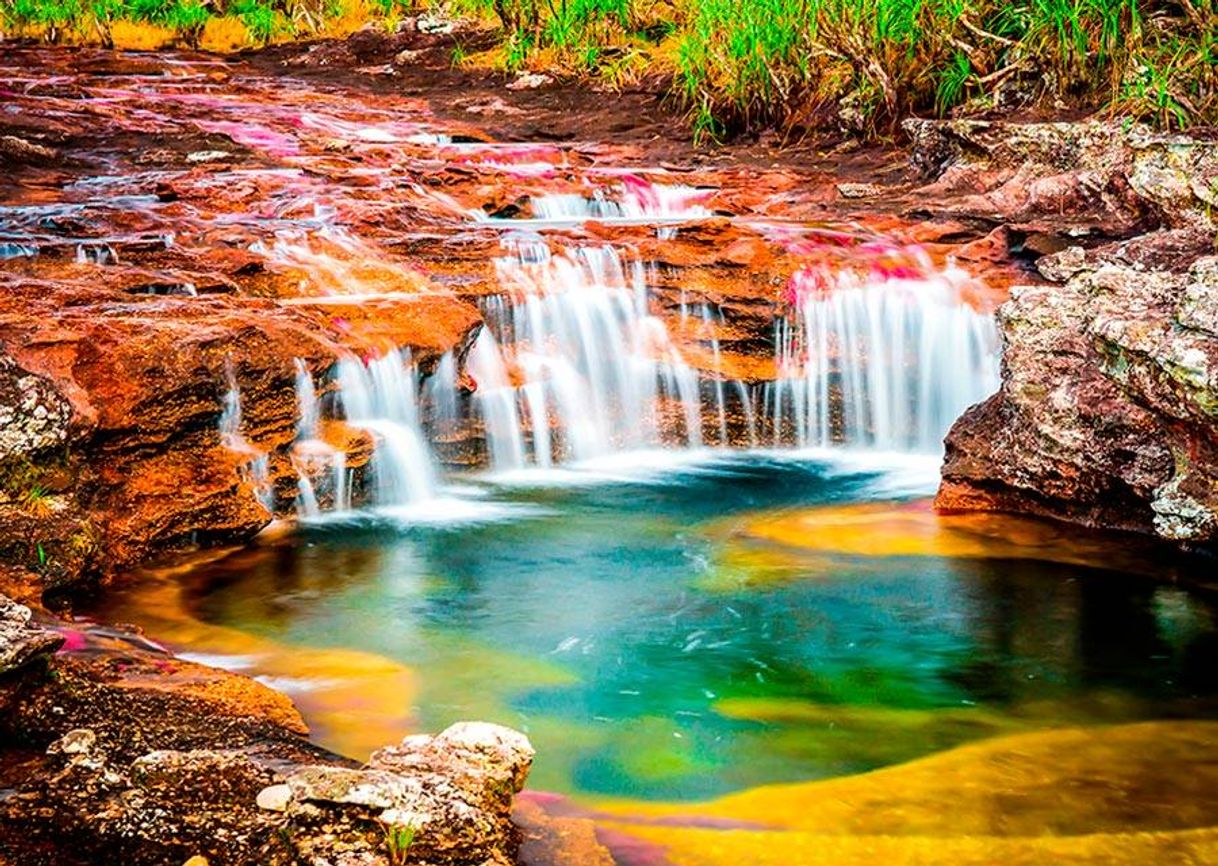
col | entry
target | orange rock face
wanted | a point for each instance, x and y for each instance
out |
(222, 221)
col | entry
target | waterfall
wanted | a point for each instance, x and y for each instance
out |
(882, 364)
(443, 399)
(583, 365)
(634, 199)
(255, 466)
(321, 469)
(381, 397)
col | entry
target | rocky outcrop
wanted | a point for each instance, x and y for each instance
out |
(129, 755)
(1106, 415)
(21, 642)
(1108, 411)
(1067, 180)
(111, 413)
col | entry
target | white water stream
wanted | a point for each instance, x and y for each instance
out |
(575, 365)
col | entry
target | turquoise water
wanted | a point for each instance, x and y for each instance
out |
(651, 649)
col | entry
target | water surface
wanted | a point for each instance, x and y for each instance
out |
(652, 646)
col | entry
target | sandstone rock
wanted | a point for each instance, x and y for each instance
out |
(146, 773)
(1180, 175)
(274, 798)
(21, 150)
(1061, 266)
(351, 787)
(482, 759)
(79, 741)
(34, 415)
(1108, 411)
(20, 641)
(859, 190)
(1093, 177)
(529, 81)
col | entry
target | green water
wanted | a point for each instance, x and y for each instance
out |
(649, 651)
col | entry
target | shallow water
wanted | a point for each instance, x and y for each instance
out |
(628, 617)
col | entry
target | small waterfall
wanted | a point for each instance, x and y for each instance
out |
(381, 396)
(443, 399)
(255, 468)
(582, 360)
(321, 469)
(882, 364)
(635, 199)
(496, 400)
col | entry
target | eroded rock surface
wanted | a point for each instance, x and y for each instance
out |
(130, 755)
(1108, 412)
(20, 641)
(1069, 179)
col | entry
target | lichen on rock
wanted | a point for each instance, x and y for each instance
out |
(1109, 388)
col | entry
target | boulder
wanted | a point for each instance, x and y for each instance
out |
(1108, 410)
(22, 642)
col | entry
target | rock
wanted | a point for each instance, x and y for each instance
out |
(1180, 175)
(34, 415)
(1180, 517)
(1108, 410)
(78, 741)
(21, 150)
(529, 81)
(274, 798)
(140, 769)
(20, 641)
(409, 56)
(480, 758)
(1108, 178)
(1061, 266)
(434, 24)
(859, 190)
(352, 787)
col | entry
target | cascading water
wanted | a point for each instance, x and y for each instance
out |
(884, 364)
(321, 469)
(634, 199)
(593, 365)
(255, 466)
(381, 396)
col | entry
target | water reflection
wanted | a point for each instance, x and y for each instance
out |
(624, 627)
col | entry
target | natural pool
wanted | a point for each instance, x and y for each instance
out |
(679, 627)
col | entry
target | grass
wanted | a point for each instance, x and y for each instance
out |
(864, 66)
(219, 25)
(861, 66)
(855, 66)
(398, 839)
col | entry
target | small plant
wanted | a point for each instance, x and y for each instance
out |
(36, 501)
(398, 839)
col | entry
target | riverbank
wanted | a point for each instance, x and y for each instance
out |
(834, 67)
